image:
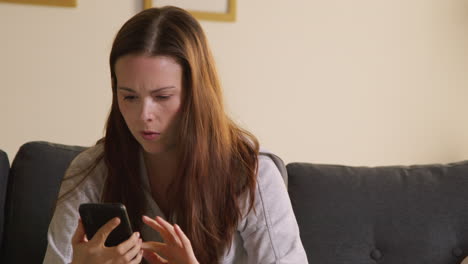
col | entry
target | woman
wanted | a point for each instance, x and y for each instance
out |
(171, 152)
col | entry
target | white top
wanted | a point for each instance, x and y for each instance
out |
(268, 235)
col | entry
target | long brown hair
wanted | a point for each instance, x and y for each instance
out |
(217, 159)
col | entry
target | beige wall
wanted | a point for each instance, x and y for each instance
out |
(359, 82)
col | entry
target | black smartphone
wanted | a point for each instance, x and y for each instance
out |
(95, 215)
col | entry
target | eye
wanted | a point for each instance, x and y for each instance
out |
(163, 97)
(129, 97)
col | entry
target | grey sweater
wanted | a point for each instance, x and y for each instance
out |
(268, 234)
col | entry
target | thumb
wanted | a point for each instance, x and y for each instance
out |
(103, 232)
(80, 234)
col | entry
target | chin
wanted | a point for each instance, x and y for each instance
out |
(152, 148)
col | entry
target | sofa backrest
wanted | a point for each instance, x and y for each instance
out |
(395, 214)
(33, 186)
(4, 170)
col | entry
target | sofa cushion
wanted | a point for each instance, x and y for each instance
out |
(33, 186)
(394, 214)
(4, 169)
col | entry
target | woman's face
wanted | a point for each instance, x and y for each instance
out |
(149, 91)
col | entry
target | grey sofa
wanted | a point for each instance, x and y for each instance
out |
(358, 215)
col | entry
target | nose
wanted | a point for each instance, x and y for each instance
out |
(147, 111)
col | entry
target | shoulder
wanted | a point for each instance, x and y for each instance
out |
(271, 165)
(270, 232)
(270, 183)
(87, 169)
(86, 159)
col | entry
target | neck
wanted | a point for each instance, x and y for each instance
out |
(161, 169)
(162, 166)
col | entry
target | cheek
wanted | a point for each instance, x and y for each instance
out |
(174, 117)
(178, 106)
(175, 111)
(125, 112)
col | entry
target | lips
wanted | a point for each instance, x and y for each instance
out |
(149, 135)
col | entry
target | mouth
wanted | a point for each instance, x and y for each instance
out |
(150, 135)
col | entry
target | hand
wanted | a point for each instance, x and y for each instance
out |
(94, 251)
(177, 248)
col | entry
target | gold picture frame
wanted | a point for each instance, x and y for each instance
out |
(228, 16)
(63, 3)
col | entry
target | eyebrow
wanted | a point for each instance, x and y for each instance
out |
(152, 91)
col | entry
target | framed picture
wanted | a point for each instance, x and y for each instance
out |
(65, 3)
(215, 10)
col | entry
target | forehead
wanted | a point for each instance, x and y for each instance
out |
(147, 70)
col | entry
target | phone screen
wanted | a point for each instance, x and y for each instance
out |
(95, 215)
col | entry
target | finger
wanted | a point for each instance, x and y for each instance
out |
(169, 228)
(103, 232)
(80, 234)
(153, 258)
(133, 252)
(125, 246)
(183, 238)
(138, 258)
(156, 247)
(156, 226)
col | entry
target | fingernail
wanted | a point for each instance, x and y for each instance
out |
(137, 234)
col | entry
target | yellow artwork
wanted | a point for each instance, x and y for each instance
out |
(228, 15)
(64, 3)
